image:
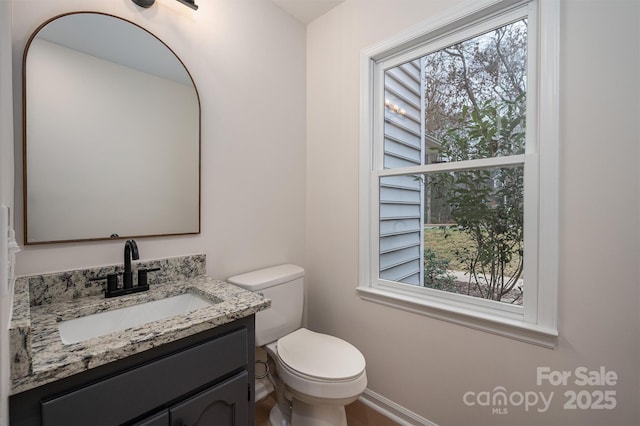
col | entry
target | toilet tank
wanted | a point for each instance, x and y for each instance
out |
(284, 285)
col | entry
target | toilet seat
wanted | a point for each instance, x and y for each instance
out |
(320, 367)
(319, 356)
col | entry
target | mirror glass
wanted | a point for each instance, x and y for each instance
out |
(111, 133)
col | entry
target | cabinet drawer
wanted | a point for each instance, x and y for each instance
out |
(123, 397)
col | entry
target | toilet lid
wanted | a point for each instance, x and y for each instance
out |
(319, 355)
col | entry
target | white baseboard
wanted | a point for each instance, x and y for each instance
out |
(390, 409)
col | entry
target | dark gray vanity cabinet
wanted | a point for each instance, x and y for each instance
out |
(206, 379)
(224, 404)
(158, 419)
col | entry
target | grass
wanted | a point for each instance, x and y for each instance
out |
(445, 243)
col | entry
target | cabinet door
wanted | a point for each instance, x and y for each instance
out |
(160, 419)
(224, 404)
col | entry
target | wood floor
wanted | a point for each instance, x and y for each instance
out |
(358, 414)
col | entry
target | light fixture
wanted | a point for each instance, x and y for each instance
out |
(144, 3)
(148, 3)
(394, 107)
(191, 3)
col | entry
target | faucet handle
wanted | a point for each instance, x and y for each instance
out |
(143, 275)
(142, 278)
(112, 282)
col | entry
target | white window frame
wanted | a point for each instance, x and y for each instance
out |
(536, 320)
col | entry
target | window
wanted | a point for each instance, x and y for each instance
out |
(459, 142)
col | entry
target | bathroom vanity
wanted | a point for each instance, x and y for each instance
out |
(70, 364)
(195, 368)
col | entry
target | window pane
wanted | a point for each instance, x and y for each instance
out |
(470, 98)
(403, 146)
(401, 225)
(472, 232)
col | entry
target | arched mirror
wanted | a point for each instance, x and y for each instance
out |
(111, 133)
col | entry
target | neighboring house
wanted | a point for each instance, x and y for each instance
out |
(402, 212)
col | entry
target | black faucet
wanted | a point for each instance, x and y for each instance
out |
(130, 251)
(112, 290)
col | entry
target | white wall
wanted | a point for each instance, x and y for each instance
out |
(247, 58)
(6, 108)
(427, 365)
(6, 195)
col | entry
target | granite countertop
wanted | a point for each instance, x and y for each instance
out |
(40, 357)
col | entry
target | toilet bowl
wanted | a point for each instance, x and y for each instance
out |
(316, 374)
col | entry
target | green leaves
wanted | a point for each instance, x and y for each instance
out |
(436, 274)
(487, 204)
(491, 131)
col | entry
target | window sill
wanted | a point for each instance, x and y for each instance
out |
(513, 329)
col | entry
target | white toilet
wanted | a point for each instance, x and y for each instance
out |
(321, 373)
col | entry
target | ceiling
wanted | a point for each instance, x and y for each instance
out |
(307, 10)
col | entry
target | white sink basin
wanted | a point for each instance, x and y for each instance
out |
(96, 325)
